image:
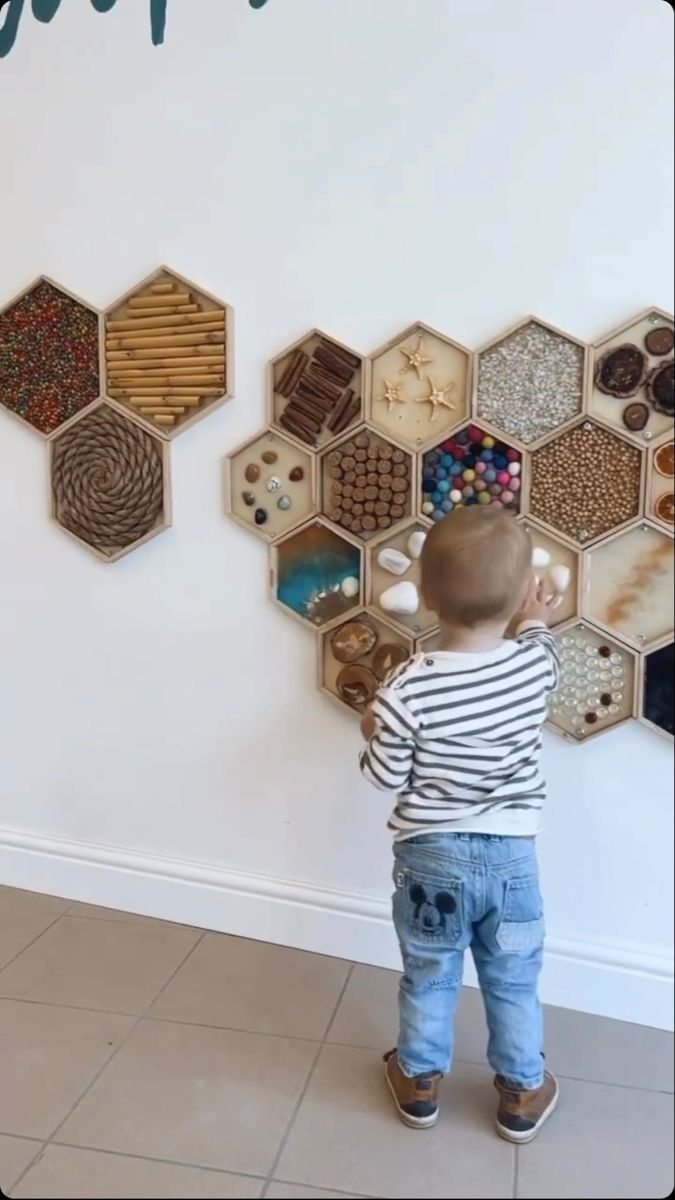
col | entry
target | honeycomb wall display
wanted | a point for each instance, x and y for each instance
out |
(168, 352)
(631, 378)
(316, 389)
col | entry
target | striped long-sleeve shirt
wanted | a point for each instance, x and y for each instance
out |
(458, 738)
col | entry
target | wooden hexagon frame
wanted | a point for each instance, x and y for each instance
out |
(487, 430)
(25, 292)
(306, 344)
(640, 645)
(642, 679)
(163, 359)
(567, 422)
(352, 604)
(601, 346)
(402, 531)
(235, 482)
(591, 733)
(437, 433)
(325, 672)
(164, 520)
(322, 476)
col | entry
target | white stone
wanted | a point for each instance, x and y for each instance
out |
(560, 576)
(393, 561)
(349, 586)
(415, 543)
(401, 598)
(540, 557)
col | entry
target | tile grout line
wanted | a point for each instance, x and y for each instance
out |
(36, 1157)
(308, 1080)
(123, 1041)
(31, 942)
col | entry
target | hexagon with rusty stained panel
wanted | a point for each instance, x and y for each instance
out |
(628, 583)
(586, 482)
(366, 483)
(656, 689)
(420, 386)
(317, 574)
(631, 380)
(530, 380)
(169, 352)
(316, 389)
(472, 466)
(49, 356)
(660, 500)
(271, 485)
(110, 481)
(560, 553)
(356, 656)
(597, 688)
(392, 560)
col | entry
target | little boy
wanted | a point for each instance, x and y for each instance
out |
(456, 734)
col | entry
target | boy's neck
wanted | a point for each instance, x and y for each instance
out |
(471, 639)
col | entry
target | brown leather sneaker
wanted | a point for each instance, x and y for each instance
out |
(521, 1114)
(416, 1099)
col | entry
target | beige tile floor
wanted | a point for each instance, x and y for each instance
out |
(145, 1059)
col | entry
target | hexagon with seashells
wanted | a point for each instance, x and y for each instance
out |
(362, 454)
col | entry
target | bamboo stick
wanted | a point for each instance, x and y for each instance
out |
(134, 390)
(162, 288)
(129, 381)
(159, 301)
(192, 354)
(160, 409)
(141, 313)
(184, 319)
(164, 420)
(164, 331)
(180, 401)
(212, 337)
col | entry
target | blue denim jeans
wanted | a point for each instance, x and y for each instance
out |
(456, 892)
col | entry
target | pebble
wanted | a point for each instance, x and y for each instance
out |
(273, 483)
(416, 542)
(393, 561)
(260, 516)
(530, 382)
(402, 598)
(540, 557)
(296, 474)
(350, 586)
(560, 576)
(284, 503)
(252, 473)
(248, 498)
(269, 457)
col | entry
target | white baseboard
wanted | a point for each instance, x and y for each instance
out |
(617, 980)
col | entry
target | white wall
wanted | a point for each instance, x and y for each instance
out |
(355, 164)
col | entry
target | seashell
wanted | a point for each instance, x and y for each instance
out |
(560, 576)
(540, 557)
(416, 542)
(393, 561)
(401, 598)
(273, 483)
(350, 586)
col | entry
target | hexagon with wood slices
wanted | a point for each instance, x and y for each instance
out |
(586, 482)
(660, 501)
(420, 386)
(50, 367)
(316, 574)
(656, 689)
(597, 687)
(393, 579)
(169, 352)
(530, 381)
(110, 484)
(631, 380)
(628, 583)
(471, 466)
(270, 485)
(316, 389)
(357, 655)
(366, 483)
(556, 561)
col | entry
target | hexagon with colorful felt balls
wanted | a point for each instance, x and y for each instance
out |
(474, 466)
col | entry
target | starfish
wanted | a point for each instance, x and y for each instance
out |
(437, 398)
(416, 357)
(392, 395)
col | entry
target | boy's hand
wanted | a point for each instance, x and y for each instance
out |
(540, 604)
(368, 725)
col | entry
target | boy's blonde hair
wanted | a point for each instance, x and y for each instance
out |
(476, 566)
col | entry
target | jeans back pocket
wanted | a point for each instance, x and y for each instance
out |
(521, 927)
(428, 908)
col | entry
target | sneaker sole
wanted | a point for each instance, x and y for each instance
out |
(411, 1122)
(521, 1139)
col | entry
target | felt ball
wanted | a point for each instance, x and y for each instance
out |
(455, 496)
(481, 468)
(427, 472)
(496, 504)
(484, 498)
(436, 496)
(495, 489)
(448, 447)
(500, 461)
(468, 490)
(437, 514)
(490, 475)
(487, 455)
(469, 460)
(456, 469)
(427, 508)
(428, 485)
(471, 500)
(447, 460)
(442, 486)
(462, 438)
(476, 447)
(480, 485)
(504, 478)
(474, 434)
(468, 476)
(507, 497)
(513, 455)
(514, 468)
(441, 473)
(514, 485)
(447, 505)
(432, 458)
(488, 442)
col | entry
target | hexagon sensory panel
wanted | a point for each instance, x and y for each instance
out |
(631, 381)
(383, 446)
